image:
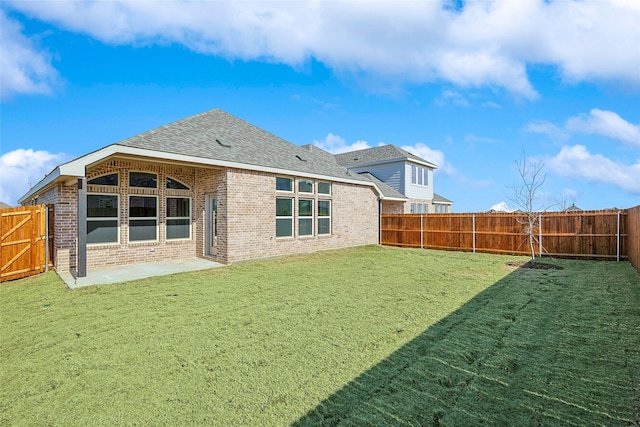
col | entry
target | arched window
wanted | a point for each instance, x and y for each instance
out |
(174, 184)
(111, 180)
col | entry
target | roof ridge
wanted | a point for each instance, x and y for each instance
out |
(168, 125)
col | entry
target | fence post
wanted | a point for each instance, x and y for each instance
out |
(421, 233)
(618, 240)
(46, 241)
(539, 234)
(473, 227)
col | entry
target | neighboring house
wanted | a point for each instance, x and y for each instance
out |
(212, 186)
(573, 208)
(410, 176)
(4, 205)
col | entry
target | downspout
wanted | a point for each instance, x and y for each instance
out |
(81, 260)
(379, 221)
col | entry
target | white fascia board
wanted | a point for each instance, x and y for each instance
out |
(45, 182)
(395, 199)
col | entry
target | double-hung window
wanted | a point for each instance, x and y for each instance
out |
(102, 218)
(324, 217)
(305, 217)
(178, 218)
(284, 217)
(143, 218)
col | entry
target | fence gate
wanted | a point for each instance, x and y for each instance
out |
(23, 238)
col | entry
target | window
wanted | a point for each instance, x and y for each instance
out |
(284, 217)
(305, 217)
(173, 184)
(111, 180)
(284, 184)
(305, 186)
(324, 217)
(419, 175)
(102, 218)
(143, 179)
(413, 208)
(143, 218)
(178, 218)
(324, 188)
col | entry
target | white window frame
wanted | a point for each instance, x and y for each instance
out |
(167, 218)
(285, 217)
(324, 182)
(310, 218)
(288, 179)
(98, 219)
(328, 217)
(144, 218)
(300, 181)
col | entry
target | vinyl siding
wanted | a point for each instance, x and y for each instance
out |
(390, 173)
(417, 191)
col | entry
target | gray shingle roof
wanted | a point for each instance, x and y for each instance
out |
(386, 190)
(384, 153)
(439, 199)
(218, 135)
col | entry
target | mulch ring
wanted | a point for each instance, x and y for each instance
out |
(534, 265)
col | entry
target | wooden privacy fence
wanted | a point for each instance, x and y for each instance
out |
(23, 241)
(584, 234)
(633, 231)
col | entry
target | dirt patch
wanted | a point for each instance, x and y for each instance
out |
(534, 265)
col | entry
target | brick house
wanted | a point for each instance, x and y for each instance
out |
(210, 186)
(409, 175)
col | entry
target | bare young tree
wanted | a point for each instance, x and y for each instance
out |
(524, 197)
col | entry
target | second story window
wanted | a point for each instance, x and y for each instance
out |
(419, 175)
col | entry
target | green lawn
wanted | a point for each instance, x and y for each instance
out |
(366, 336)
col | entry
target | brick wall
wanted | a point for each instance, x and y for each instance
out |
(392, 207)
(251, 221)
(246, 216)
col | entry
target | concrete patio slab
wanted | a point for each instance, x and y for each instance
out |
(125, 273)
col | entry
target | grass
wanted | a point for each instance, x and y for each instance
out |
(366, 336)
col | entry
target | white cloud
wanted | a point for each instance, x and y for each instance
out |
(489, 43)
(20, 169)
(451, 97)
(336, 144)
(501, 207)
(23, 69)
(576, 161)
(434, 156)
(547, 128)
(605, 123)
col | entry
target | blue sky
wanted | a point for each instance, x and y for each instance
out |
(470, 86)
